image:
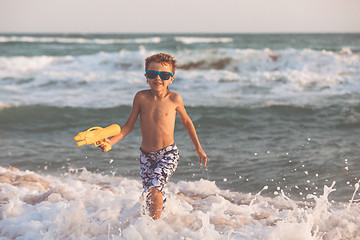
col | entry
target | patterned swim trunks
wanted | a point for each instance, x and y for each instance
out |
(156, 168)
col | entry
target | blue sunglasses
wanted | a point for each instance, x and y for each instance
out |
(151, 74)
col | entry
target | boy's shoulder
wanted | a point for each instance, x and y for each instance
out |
(175, 96)
(143, 92)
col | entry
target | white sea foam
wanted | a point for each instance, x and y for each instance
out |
(204, 77)
(84, 205)
(193, 40)
(31, 39)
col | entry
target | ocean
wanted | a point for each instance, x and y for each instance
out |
(277, 114)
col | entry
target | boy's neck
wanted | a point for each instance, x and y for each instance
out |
(159, 94)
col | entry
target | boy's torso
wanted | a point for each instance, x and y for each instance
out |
(157, 120)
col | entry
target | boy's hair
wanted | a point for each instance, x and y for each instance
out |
(162, 58)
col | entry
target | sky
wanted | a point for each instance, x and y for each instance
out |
(185, 16)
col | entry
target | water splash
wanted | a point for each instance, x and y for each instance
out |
(84, 205)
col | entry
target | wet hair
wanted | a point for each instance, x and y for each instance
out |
(162, 58)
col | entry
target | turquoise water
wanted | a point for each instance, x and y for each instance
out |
(277, 110)
(277, 114)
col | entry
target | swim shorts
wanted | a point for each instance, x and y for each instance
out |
(156, 168)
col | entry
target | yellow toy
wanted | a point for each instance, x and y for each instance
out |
(97, 136)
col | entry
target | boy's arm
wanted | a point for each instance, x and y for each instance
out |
(128, 126)
(189, 126)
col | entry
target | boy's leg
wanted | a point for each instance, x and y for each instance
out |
(155, 170)
(155, 198)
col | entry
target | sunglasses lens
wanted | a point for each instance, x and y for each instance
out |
(151, 74)
(165, 75)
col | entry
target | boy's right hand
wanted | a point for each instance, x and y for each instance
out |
(105, 145)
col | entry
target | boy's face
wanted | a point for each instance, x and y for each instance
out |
(157, 84)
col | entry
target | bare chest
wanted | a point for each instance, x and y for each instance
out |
(158, 112)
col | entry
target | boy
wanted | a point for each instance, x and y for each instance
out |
(157, 108)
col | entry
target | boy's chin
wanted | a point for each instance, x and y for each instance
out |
(157, 87)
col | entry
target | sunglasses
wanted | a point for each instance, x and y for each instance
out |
(151, 74)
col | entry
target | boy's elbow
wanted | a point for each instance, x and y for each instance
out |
(126, 129)
(188, 124)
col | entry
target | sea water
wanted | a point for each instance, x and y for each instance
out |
(277, 115)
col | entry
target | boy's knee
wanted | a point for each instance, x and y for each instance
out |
(155, 202)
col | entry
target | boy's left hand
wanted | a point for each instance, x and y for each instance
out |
(202, 157)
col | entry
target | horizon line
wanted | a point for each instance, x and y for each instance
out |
(173, 33)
